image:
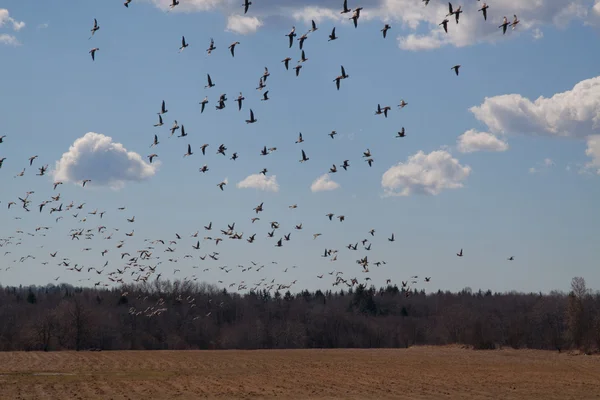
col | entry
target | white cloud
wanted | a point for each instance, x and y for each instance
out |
(574, 113)
(260, 182)
(419, 42)
(96, 157)
(5, 18)
(473, 28)
(9, 40)
(472, 141)
(537, 34)
(593, 151)
(323, 183)
(43, 26)
(427, 174)
(546, 164)
(413, 15)
(242, 24)
(594, 16)
(189, 5)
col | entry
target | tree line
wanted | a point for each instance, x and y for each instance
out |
(186, 315)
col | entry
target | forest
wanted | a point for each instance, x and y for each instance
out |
(184, 315)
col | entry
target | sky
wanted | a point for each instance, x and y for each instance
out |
(502, 160)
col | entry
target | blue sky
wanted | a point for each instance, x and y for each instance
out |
(484, 165)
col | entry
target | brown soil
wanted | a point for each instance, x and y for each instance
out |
(415, 373)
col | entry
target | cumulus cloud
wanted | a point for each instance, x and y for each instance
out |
(472, 141)
(6, 19)
(593, 151)
(574, 113)
(547, 163)
(426, 174)
(323, 183)
(95, 156)
(260, 182)
(242, 24)
(189, 5)
(413, 15)
(473, 28)
(9, 40)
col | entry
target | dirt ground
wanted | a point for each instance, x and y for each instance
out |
(415, 373)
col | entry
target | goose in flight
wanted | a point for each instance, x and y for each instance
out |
(183, 44)
(173, 4)
(504, 25)
(313, 26)
(302, 39)
(304, 158)
(460, 254)
(511, 258)
(252, 119)
(189, 151)
(160, 121)
(163, 109)
(211, 47)
(515, 22)
(391, 239)
(402, 104)
(483, 9)
(303, 58)
(337, 81)
(286, 62)
(239, 100)
(261, 84)
(385, 29)
(182, 134)
(402, 133)
(126, 4)
(232, 47)
(221, 102)
(220, 185)
(246, 5)
(457, 13)
(151, 157)
(346, 9)
(203, 104)
(297, 68)
(42, 170)
(300, 140)
(265, 96)
(2, 138)
(291, 36)
(455, 68)
(174, 128)
(95, 28)
(85, 181)
(31, 159)
(332, 35)
(93, 53)
(204, 168)
(344, 74)
(444, 23)
(356, 16)
(210, 82)
(332, 134)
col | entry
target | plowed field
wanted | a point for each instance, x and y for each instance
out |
(415, 373)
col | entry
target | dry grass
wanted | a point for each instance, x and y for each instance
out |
(415, 373)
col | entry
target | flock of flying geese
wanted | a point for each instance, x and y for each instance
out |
(142, 264)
